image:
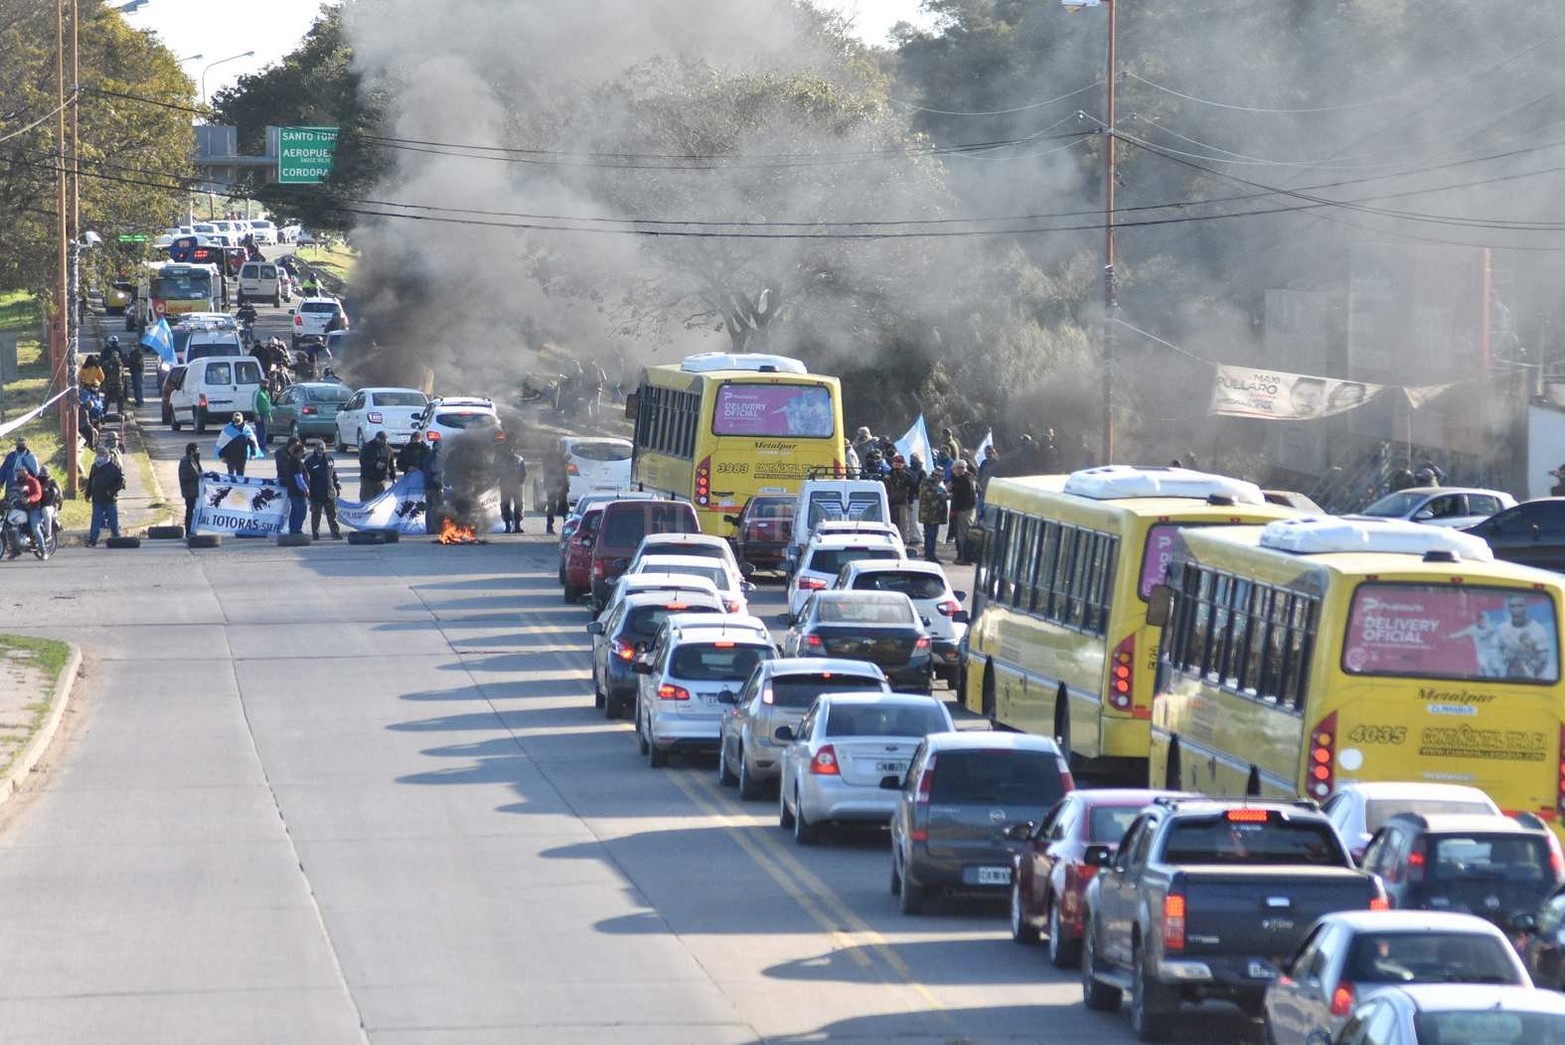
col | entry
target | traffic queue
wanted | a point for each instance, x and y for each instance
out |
(1324, 921)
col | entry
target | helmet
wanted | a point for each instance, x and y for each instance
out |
(114, 341)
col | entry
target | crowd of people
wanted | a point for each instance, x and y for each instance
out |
(946, 492)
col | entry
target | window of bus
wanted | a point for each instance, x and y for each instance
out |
(1250, 638)
(792, 411)
(1064, 574)
(1446, 631)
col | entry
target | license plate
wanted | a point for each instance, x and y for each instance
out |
(891, 767)
(994, 876)
(1259, 970)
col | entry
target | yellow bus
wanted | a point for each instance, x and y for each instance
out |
(716, 429)
(1059, 642)
(1308, 653)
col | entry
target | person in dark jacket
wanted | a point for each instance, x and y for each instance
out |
(190, 483)
(964, 498)
(285, 461)
(411, 457)
(135, 362)
(377, 467)
(434, 488)
(104, 484)
(511, 477)
(325, 488)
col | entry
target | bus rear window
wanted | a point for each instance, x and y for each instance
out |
(1449, 632)
(799, 411)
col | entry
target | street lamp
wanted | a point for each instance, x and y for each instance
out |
(1110, 293)
(127, 8)
(213, 65)
(190, 58)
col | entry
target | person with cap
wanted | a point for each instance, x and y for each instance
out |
(325, 488)
(411, 456)
(135, 363)
(297, 485)
(901, 490)
(17, 463)
(964, 498)
(237, 444)
(190, 483)
(377, 467)
(104, 483)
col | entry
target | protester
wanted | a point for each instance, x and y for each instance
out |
(91, 374)
(901, 488)
(325, 488)
(964, 498)
(297, 484)
(511, 477)
(237, 444)
(986, 471)
(950, 444)
(261, 406)
(377, 467)
(190, 484)
(411, 457)
(434, 488)
(135, 362)
(104, 483)
(934, 502)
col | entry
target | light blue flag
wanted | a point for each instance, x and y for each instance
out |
(915, 441)
(160, 339)
(985, 446)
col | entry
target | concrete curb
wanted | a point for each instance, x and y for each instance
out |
(39, 745)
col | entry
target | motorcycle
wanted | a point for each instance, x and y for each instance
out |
(16, 534)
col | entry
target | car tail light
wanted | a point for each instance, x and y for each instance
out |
(201, 400)
(811, 584)
(1323, 751)
(814, 642)
(298, 320)
(918, 835)
(704, 482)
(677, 607)
(667, 691)
(1379, 903)
(825, 762)
(624, 650)
(307, 410)
(571, 469)
(1122, 675)
(724, 644)
(926, 783)
(1174, 922)
(946, 607)
(1416, 861)
(1076, 878)
(1067, 782)
(374, 417)
(1248, 816)
(731, 605)
(433, 437)
(1342, 999)
(922, 643)
(598, 567)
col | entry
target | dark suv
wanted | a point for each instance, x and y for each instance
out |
(1490, 866)
(620, 532)
(1532, 533)
(962, 794)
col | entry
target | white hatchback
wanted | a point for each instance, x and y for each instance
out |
(375, 410)
(446, 416)
(823, 559)
(730, 585)
(595, 465)
(695, 660)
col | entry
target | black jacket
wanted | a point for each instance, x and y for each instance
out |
(376, 462)
(322, 473)
(964, 493)
(105, 482)
(189, 478)
(411, 457)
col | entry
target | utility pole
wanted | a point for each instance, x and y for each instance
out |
(62, 310)
(1110, 292)
(73, 342)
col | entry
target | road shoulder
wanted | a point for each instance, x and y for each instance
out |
(39, 675)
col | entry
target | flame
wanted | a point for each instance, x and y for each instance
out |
(451, 533)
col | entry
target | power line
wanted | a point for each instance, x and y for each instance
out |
(40, 121)
(999, 112)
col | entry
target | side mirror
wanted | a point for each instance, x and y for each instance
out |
(728, 696)
(1020, 832)
(731, 520)
(891, 783)
(783, 733)
(1317, 1037)
(1160, 601)
(595, 628)
(1098, 856)
(1524, 923)
(959, 596)
(640, 667)
(290, 311)
(746, 569)
(746, 586)
(960, 617)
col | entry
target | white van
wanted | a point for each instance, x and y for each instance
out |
(213, 389)
(849, 500)
(265, 232)
(258, 281)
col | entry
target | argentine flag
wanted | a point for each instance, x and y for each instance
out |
(916, 441)
(160, 339)
(985, 446)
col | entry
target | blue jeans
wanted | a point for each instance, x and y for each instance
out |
(135, 386)
(298, 508)
(931, 535)
(260, 429)
(107, 514)
(35, 524)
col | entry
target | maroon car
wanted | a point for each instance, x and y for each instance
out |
(761, 530)
(577, 570)
(1050, 872)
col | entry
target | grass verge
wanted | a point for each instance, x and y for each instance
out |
(45, 659)
(335, 259)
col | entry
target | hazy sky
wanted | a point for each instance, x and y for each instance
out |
(272, 28)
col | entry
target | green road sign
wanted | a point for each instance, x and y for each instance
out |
(304, 154)
(130, 237)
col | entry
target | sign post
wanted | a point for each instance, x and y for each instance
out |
(132, 237)
(304, 154)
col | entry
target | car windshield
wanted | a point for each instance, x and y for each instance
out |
(1108, 824)
(1507, 857)
(1429, 957)
(1491, 1027)
(997, 776)
(832, 560)
(717, 574)
(328, 394)
(913, 585)
(717, 661)
(871, 609)
(1395, 505)
(884, 720)
(800, 691)
(398, 398)
(1378, 810)
(601, 451)
(642, 622)
(318, 306)
(1221, 840)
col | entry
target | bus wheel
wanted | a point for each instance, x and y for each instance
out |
(1062, 720)
(1172, 772)
(1252, 786)
(988, 695)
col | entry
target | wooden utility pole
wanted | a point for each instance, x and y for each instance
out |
(1110, 291)
(69, 429)
(60, 321)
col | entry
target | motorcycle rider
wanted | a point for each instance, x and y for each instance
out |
(30, 498)
(247, 315)
(42, 519)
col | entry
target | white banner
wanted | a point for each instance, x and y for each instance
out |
(240, 504)
(399, 508)
(13, 425)
(1272, 395)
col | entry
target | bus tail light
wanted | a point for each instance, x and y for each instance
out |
(1174, 921)
(1560, 795)
(1323, 756)
(704, 482)
(1121, 675)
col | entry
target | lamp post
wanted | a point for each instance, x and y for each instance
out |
(213, 65)
(1110, 291)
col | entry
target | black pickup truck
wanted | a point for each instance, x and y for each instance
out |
(1204, 899)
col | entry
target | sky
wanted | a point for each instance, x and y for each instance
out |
(272, 28)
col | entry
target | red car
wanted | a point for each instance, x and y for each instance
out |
(578, 555)
(761, 530)
(1050, 871)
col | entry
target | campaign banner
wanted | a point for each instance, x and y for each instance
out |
(801, 411)
(240, 504)
(1445, 632)
(1272, 395)
(400, 507)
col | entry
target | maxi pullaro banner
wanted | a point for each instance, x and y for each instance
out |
(240, 504)
(1272, 395)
